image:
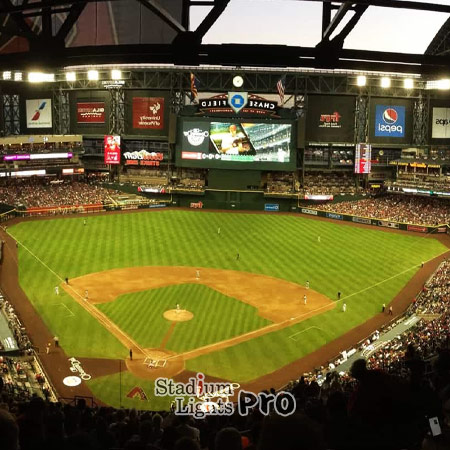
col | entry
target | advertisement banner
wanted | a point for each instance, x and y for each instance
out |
(143, 158)
(271, 207)
(416, 228)
(441, 123)
(90, 112)
(390, 121)
(312, 212)
(363, 158)
(148, 113)
(331, 215)
(39, 113)
(330, 118)
(383, 223)
(318, 197)
(112, 149)
(361, 220)
(196, 205)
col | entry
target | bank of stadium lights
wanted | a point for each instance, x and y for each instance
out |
(361, 80)
(7, 75)
(71, 76)
(385, 82)
(17, 76)
(116, 74)
(443, 84)
(39, 77)
(408, 83)
(92, 75)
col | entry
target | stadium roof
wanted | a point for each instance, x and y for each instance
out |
(349, 35)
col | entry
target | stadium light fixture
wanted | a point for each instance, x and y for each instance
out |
(385, 82)
(7, 75)
(361, 80)
(443, 84)
(18, 76)
(408, 83)
(71, 76)
(116, 74)
(39, 77)
(92, 75)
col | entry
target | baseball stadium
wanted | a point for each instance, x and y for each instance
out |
(267, 224)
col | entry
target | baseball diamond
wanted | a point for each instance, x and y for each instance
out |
(242, 313)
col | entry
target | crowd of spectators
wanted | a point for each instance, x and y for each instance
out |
(335, 183)
(40, 193)
(397, 208)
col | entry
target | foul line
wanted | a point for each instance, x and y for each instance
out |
(68, 309)
(381, 282)
(105, 321)
(302, 331)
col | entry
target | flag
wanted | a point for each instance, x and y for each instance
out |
(194, 87)
(280, 88)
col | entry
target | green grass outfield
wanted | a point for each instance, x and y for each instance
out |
(368, 266)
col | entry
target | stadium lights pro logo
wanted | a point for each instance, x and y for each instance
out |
(199, 398)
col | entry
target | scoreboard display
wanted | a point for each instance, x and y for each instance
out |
(363, 158)
(236, 144)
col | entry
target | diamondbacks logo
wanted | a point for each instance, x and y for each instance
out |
(390, 121)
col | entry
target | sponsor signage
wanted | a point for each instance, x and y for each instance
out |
(27, 157)
(312, 212)
(441, 123)
(75, 367)
(361, 220)
(75, 170)
(330, 118)
(91, 112)
(271, 207)
(152, 190)
(363, 158)
(390, 121)
(332, 215)
(318, 197)
(238, 102)
(143, 158)
(148, 113)
(112, 149)
(197, 205)
(39, 113)
(383, 223)
(417, 228)
(442, 230)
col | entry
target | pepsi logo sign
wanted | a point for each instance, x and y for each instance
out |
(390, 116)
(390, 121)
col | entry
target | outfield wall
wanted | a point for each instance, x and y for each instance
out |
(374, 222)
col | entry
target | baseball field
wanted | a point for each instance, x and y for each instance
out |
(219, 293)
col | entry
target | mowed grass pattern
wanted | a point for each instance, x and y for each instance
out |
(216, 316)
(368, 266)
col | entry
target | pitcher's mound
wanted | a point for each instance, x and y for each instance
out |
(178, 315)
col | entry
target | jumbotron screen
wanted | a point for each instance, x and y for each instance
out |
(244, 144)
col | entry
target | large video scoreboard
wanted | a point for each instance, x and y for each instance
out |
(236, 144)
